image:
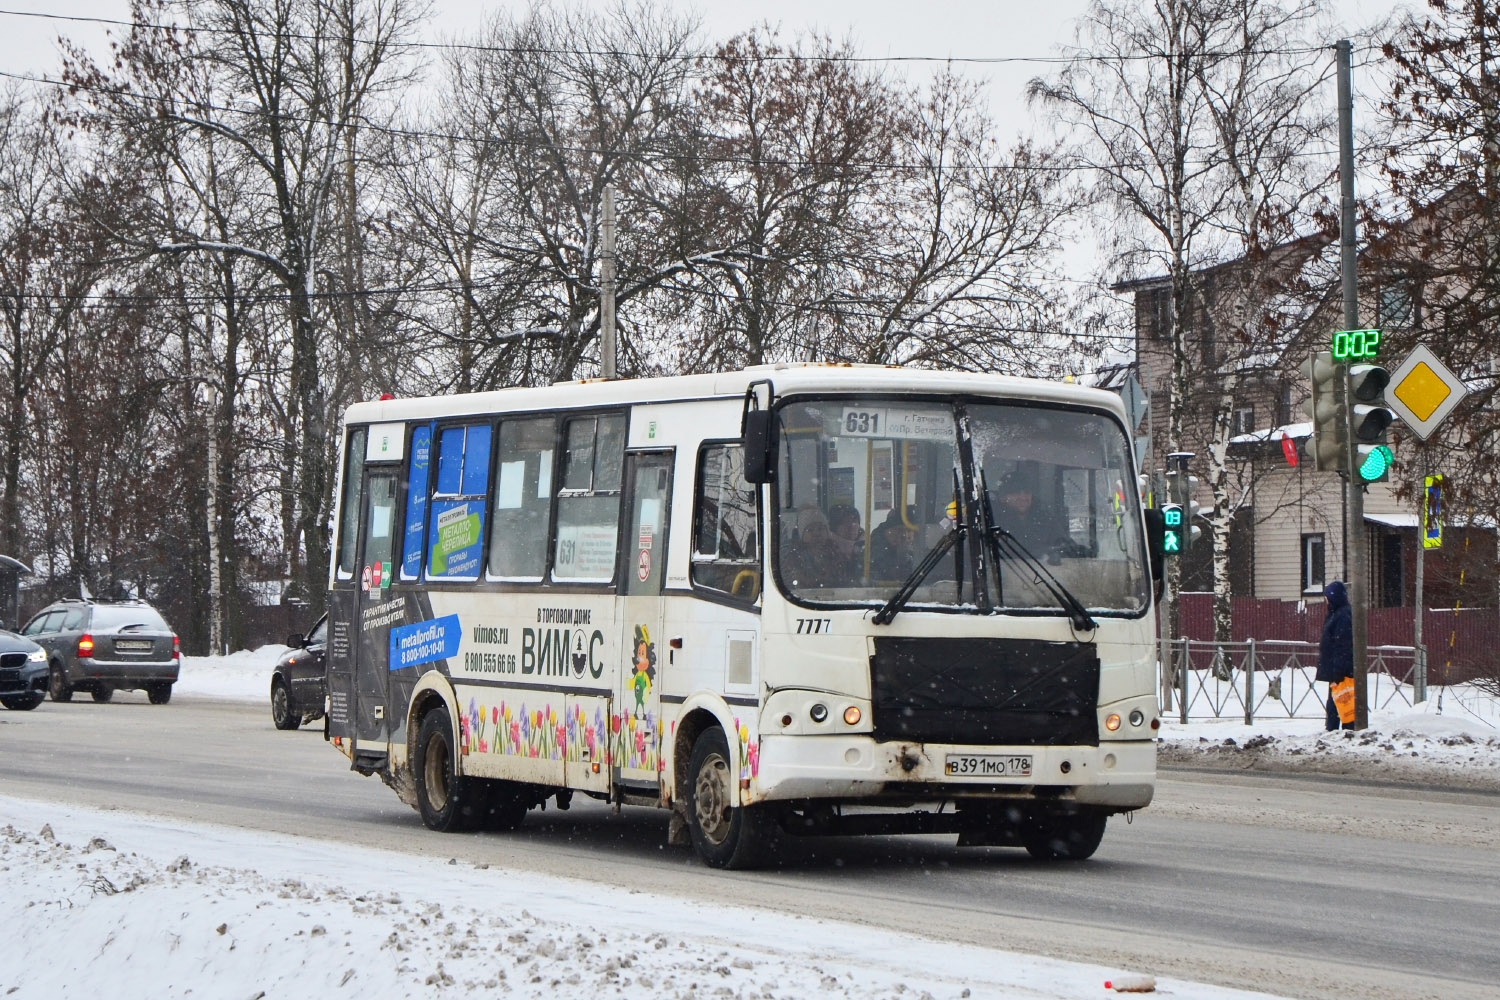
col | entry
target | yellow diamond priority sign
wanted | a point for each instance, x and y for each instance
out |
(1423, 391)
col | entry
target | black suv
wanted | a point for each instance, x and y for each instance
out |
(101, 648)
(23, 672)
(297, 684)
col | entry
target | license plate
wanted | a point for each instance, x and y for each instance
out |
(984, 765)
(133, 645)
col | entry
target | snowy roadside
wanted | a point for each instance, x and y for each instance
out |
(1459, 747)
(107, 903)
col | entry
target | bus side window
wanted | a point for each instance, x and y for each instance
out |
(523, 500)
(588, 505)
(463, 464)
(726, 544)
(354, 483)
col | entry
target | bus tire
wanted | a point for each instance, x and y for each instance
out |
(724, 836)
(1063, 836)
(448, 801)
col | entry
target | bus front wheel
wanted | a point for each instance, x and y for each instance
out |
(1063, 836)
(724, 836)
(446, 799)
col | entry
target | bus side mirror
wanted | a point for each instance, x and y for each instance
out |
(1156, 534)
(759, 439)
(758, 433)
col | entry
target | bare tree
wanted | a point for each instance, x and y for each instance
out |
(1438, 261)
(1197, 116)
(50, 263)
(277, 88)
(961, 236)
(1261, 83)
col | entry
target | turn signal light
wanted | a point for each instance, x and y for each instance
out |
(1112, 721)
(852, 715)
(85, 645)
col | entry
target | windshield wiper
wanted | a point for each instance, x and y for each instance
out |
(995, 534)
(954, 537)
(915, 578)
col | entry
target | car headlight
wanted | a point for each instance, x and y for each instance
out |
(38, 656)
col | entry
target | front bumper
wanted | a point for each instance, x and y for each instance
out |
(20, 680)
(1117, 774)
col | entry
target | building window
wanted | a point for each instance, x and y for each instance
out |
(1312, 564)
(1244, 420)
(1393, 306)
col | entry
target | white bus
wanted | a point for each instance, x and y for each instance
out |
(798, 599)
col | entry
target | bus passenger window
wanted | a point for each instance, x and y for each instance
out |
(523, 500)
(463, 473)
(726, 544)
(354, 481)
(588, 505)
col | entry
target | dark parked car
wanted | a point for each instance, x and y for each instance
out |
(23, 672)
(297, 684)
(102, 648)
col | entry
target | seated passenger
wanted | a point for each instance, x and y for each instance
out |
(892, 549)
(848, 542)
(812, 560)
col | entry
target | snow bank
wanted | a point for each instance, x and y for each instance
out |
(242, 676)
(124, 906)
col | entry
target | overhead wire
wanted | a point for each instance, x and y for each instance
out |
(686, 56)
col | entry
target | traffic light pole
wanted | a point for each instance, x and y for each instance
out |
(1354, 497)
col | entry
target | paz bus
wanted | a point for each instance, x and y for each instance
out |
(792, 600)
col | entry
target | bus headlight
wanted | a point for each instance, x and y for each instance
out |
(1136, 718)
(818, 712)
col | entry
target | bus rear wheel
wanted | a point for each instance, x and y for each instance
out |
(1063, 836)
(448, 801)
(724, 836)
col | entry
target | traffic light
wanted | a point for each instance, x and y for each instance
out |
(1368, 421)
(1182, 489)
(1327, 444)
(1172, 538)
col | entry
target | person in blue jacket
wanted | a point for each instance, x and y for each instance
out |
(1336, 647)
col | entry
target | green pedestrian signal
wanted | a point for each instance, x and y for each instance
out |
(1171, 541)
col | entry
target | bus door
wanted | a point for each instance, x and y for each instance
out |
(637, 743)
(372, 617)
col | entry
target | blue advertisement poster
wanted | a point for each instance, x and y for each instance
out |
(416, 502)
(436, 639)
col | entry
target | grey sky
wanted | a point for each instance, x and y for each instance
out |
(1008, 29)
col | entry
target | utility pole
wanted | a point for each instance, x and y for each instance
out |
(1354, 497)
(607, 285)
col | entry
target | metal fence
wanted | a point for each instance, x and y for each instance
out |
(1270, 679)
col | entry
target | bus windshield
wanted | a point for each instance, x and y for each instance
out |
(867, 488)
